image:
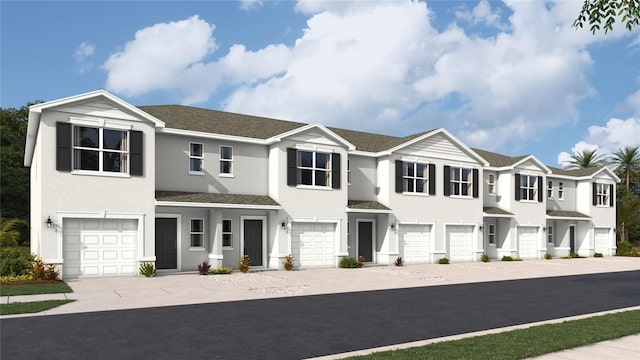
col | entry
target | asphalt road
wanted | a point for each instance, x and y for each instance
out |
(307, 326)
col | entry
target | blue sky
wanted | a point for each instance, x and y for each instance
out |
(511, 77)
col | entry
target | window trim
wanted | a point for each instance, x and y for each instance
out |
(492, 188)
(101, 151)
(230, 233)
(191, 233)
(525, 189)
(314, 169)
(550, 189)
(550, 235)
(491, 233)
(194, 157)
(223, 160)
(602, 194)
(426, 180)
(461, 182)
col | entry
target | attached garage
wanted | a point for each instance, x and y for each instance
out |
(99, 247)
(602, 241)
(313, 244)
(460, 243)
(528, 242)
(415, 242)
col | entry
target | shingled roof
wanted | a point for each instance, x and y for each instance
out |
(366, 205)
(575, 172)
(214, 198)
(498, 160)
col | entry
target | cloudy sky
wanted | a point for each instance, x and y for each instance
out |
(512, 77)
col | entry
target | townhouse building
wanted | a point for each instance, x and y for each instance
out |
(114, 185)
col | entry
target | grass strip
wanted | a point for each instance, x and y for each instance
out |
(33, 289)
(30, 307)
(524, 343)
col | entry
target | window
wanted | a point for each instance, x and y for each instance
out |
(550, 234)
(560, 191)
(314, 168)
(98, 149)
(491, 234)
(528, 187)
(196, 158)
(348, 171)
(227, 234)
(491, 182)
(601, 194)
(550, 189)
(197, 232)
(415, 177)
(226, 160)
(461, 181)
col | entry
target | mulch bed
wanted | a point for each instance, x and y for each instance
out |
(30, 282)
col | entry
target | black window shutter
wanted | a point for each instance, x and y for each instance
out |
(399, 185)
(63, 146)
(517, 188)
(432, 179)
(540, 188)
(447, 180)
(137, 150)
(595, 194)
(476, 180)
(335, 171)
(292, 167)
(611, 194)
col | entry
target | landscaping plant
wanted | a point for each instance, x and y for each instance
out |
(147, 269)
(203, 269)
(399, 261)
(244, 263)
(598, 255)
(14, 261)
(484, 258)
(288, 263)
(360, 261)
(348, 263)
(547, 256)
(221, 270)
(443, 261)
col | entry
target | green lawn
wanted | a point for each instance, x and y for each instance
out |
(524, 343)
(32, 289)
(30, 307)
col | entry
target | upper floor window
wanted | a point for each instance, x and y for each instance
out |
(196, 158)
(491, 234)
(491, 184)
(459, 181)
(98, 149)
(313, 168)
(415, 177)
(550, 189)
(560, 190)
(226, 160)
(528, 188)
(196, 232)
(227, 233)
(602, 194)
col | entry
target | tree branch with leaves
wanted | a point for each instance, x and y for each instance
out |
(602, 14)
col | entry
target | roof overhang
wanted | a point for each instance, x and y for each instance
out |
(495, 212)
(567, 215)
(215, 200)
(217, 205)
(340, 139)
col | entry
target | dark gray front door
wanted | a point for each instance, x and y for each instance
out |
(253, 241)
(166, 243)
(572, 239)
(365, 240)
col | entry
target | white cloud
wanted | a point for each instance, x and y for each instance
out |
(250, 4)
(81, 56)
(481, 14)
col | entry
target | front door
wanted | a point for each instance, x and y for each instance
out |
(572, 239)
(253, 240)
(365, 240)
(166, 243)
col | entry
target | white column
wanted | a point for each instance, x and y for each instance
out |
(215, 238)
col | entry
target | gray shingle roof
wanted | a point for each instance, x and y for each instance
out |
(213, 198)
(575, 172)
(366, 205)
(565, 214)
(495, 211)
(499, 160)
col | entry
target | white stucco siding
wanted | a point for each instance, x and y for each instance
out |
(568, 201)
(363, 178)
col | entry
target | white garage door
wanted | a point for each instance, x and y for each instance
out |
(602, 243)
(460, 242)
(99, 247)
(313, 244)
(528, 242)
(415, 241)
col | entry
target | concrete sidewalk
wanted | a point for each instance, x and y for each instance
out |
(105, 294)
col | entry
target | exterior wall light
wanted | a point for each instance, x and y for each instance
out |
(49, 222)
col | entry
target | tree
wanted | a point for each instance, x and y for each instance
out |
(585, 159)
(597, 12)
(12, 232)
(627, 163)
(628, 214)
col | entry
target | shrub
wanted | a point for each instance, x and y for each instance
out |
(203, 269)
(634, 251)
(507, 258)
(12, 278)
(288, 263)
(548, 256)
(443, 261)
(15, 261)
(147, 269)
(597, 255)
(348, 263)
(360, 261)
(623, 248)
(484, 258)
(399, 261)
(41, 271)
(13, 232)
(573, 256)
(244, 263)
(221, 270)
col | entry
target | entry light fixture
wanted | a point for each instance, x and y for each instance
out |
(49, 222)
(285, 224)
(393, 225)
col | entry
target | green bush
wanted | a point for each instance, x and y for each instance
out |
(399, 261)
(12, 278)
(15, 261)
(148, 270)
(221, 270)
(597, 255)
(507, 258)
(443, 261)
(548, 256)
(348, 263)
(484, 258)
(623, 248)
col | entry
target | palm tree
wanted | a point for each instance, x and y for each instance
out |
(627, 162)
(585, 159)
(9, 231)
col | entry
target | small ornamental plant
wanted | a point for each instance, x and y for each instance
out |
(360, 261)
(484, 258)
(507, 258)
(598, 255)
(288, 263)
(443, 261)
(548, 256)
(203, 269)
(399, 261)
(244, 263)
(221, 270)
(348, 263)
(147, 270)
(41, 271)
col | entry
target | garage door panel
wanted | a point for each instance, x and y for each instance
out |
(528, 242)
(602, 243)
(460, 242)
(313, 244)
(415, 241)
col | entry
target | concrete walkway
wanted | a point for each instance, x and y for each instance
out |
(105, 294)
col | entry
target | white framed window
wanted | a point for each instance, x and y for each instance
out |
(196, 232)
(415, 177)
(226, 160)
(196, 158)
(461, 181)
(550, 189)
(348, 171)
(560, 190)
(528, 187)
(227, 233)
(491, 234)
(491, 184)
(314, 168)
(100, 150)
(602, 194)
(550, 235)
